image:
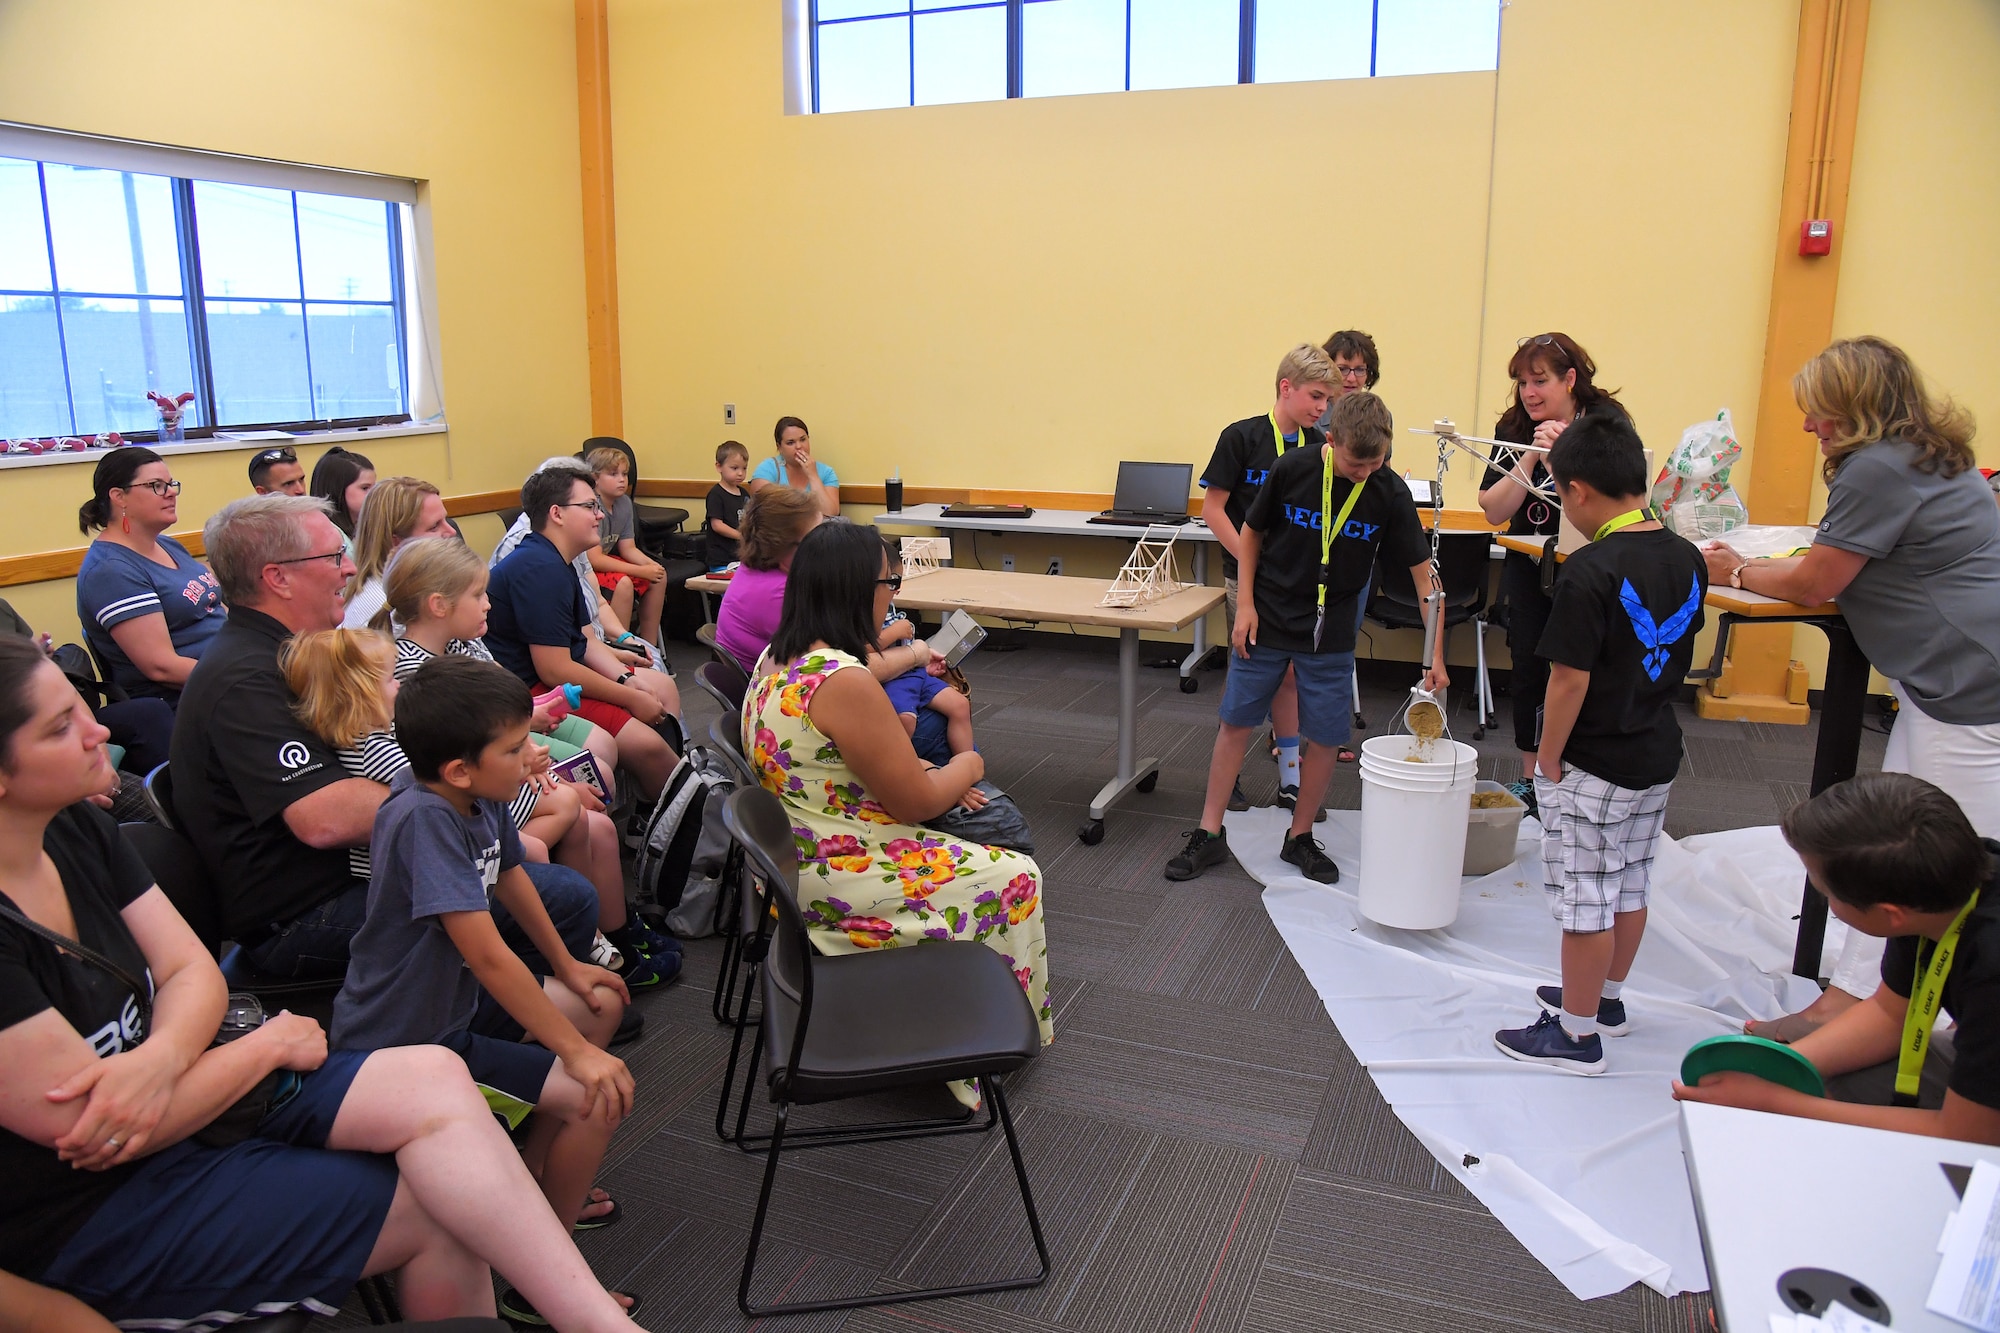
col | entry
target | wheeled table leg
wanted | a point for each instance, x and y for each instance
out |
(1133, 774)
(1196, 654)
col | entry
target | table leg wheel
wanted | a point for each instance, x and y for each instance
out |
(1479, 733)
(1090, 832)
(1150, 781)
(1189, 684)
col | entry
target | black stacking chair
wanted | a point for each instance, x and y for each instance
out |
(726, 683)
(725, 734)
(1465, 567)
(160, 795)
(825, 1039)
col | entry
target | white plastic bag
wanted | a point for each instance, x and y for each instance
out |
(1692, 494)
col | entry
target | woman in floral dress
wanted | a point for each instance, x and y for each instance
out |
(825, 739)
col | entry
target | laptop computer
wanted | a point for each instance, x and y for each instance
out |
(1149, 493)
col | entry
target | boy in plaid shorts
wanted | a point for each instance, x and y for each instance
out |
(1619, 641)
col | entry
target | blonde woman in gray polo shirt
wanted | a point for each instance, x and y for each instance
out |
(1910, 545)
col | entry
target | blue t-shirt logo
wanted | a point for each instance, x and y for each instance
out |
(1256, 476)
(1302, 517)
(1656, 638)
(1360, 531)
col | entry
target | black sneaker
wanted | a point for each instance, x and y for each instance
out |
(1204, 849)
(1545, 1043)
(1288, 799)
(1303, 850)
(1237, 800)
(1611, 1020)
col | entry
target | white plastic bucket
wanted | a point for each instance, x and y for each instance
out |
(1413, 819)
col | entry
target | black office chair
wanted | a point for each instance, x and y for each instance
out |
(179, 871)
(1465, 566)
(652, 524)
(160, 795)
(725, 682)
(509, 515)
(976, 1024)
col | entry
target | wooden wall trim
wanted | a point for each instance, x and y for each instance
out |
(44, 566)
(681, 488)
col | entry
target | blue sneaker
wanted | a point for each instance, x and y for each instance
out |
(1545, 1043)
(643, 973)
(1611, 1020)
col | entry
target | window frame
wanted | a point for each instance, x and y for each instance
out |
(405, 222)
(1246, 40)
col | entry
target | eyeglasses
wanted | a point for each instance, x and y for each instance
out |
(1352, 372)
(159, 488)
(276, 456)
(335, 557)
(894, 583)
(584, 504)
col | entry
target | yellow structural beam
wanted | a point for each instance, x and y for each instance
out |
(600, 232)
(1760, 682)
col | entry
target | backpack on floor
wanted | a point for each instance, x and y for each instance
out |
(684, 860)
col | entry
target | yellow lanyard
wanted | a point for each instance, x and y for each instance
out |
(1926, 993)
(1624, 520)
(1327, 531)
(1278, 436)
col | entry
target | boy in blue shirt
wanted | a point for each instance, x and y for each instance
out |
(428, 965)
(1619, 641)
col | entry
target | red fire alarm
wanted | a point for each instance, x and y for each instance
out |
(1816, 237)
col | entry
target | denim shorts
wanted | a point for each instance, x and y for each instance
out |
(1326, 691)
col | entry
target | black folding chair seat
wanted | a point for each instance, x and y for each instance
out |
(858, 1043)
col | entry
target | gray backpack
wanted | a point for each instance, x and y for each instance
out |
(687, 856)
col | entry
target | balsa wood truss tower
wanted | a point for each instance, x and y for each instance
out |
(924, 555)
(1149, 572)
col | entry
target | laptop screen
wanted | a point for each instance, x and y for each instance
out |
(1153, 488)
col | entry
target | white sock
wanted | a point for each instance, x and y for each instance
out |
(1288, 761)
(1613, 989)
(1580, 1028)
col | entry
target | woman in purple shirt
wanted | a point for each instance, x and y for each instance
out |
(775, 521)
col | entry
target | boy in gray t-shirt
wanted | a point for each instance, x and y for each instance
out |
(429, 966)
(626, 575)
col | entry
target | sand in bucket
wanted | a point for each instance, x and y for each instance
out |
(1426, 722)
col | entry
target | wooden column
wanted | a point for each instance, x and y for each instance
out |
(1760, 681)
(600, 233)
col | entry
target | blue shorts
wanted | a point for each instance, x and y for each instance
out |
(510, 1075)
(204, 1236)
(1326, 691)
(913, 690)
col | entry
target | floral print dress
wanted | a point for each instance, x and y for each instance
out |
(867, 881)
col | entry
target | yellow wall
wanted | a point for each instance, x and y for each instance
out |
(1919, 266)
(1020, 294)
(476, 98)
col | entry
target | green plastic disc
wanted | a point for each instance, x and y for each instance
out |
(1774, 1062)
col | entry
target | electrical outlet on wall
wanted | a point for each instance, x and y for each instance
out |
(1007, 563)
(1055, 564)
(729, 414)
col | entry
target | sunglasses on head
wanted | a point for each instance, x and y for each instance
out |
(285, 455)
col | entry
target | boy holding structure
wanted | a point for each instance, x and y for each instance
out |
(1619, 641)
(1307, 547)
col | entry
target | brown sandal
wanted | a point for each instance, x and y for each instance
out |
(1787, 1029)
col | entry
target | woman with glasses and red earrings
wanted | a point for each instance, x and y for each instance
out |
(148, 608)
(1555, 382)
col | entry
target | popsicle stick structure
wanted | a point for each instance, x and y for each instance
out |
(924, 555)
(1149, 572)
(1449, 438)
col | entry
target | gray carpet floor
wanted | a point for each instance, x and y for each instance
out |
(1206, 1152)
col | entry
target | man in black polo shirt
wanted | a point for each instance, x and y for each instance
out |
(1896, 857)
(266, 801)
(536, 627)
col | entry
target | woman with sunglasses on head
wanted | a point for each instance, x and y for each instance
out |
(1555, 382)
(148, 608)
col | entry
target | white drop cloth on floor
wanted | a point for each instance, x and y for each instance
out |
(1586, 1172)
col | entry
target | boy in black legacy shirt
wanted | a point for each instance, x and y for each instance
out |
(1306, 550)
(1896, 857)
(1619, 642)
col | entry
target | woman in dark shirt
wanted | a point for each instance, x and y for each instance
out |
(109, 1076)
(1555, 382)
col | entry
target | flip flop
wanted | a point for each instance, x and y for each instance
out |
(1344, 756)
(515, 1309)
(1787, 1029)
(604, 1219)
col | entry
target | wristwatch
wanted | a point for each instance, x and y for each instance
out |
(1736, 574)
(626, 679)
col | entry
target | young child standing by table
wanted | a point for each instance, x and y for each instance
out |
(1307, 548)
(1245, 453)
(724, 524)
(1619, 642)
(911, 674)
